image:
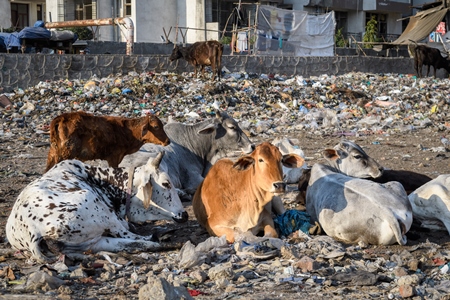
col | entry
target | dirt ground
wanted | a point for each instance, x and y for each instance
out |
(23, 158)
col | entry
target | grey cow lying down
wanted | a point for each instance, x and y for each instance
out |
(355, 210)
(194, 149)
(431, 203)
(75, 207)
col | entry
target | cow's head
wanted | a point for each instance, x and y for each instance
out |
(266, 161)
(350, 159)
(153, 131)
(227, 137)
(176, 53)
(155, 197)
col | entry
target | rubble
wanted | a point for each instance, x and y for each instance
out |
(354, 106)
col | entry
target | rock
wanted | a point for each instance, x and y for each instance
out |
(41, 279)
(399, 272)
(406, 291)
(159, 289)
(221, 271)
(409, 280)
(307, 264)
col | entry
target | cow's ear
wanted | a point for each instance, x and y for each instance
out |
(243, 163)
(145, 126)
(219, 115)
(330, 154)
(292, 161)
(148, 191)
(208, 129)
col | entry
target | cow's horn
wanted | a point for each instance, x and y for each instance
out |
(158, 159)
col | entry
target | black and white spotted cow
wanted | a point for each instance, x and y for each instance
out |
(75, 207)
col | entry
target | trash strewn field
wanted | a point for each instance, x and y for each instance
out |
(401, 121)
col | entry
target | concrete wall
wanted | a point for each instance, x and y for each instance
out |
(25, 70)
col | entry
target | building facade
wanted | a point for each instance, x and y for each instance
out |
(188, 21)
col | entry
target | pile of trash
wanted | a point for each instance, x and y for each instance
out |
(348, 105)
(296, 265)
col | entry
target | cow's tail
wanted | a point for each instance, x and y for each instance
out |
(399, 229)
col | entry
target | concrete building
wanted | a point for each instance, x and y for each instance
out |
(19, 14)
(193, 20)
(353, 15)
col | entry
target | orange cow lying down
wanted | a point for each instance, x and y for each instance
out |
(236, 196)
(83, 136)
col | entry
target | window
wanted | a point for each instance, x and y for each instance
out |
(127, 8)
(341, 20)
(19, 15)
(39, 12)
(381, 23)
(84, 10)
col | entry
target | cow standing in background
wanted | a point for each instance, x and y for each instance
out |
(201, 54)
(424, 55)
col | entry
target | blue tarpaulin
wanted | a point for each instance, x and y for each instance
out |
(292, 220)
(35, 33)
(9, 40)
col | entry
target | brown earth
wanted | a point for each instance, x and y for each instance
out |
(23, 158)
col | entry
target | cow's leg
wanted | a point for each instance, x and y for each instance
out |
(277, 205)
(123, 244)
(220, 230)
(37, 254)
(195, 71)
(268, 225)
(213, 68)
(202, 68)
(118, 228)
(428, 70)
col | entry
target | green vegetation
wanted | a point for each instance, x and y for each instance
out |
(9, 30)
(339, 38)
(226, 40)
(83, 33)
(371, 33)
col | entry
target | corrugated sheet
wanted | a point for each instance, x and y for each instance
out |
(421, 25)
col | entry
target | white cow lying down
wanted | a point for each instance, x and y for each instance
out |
(287, 146)
(356, 210)
(431, 203)
(75, 207)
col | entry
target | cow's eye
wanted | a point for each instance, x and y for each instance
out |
(358, 156)
(156, 127)
(166, 185)
(261, 160)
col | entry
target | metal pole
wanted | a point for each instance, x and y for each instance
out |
(126, 22)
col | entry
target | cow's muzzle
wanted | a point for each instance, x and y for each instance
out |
(279, 187)
(181, 217)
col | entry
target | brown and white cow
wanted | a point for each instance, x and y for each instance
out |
(235, 196)
(83, 136)
(201, 54)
